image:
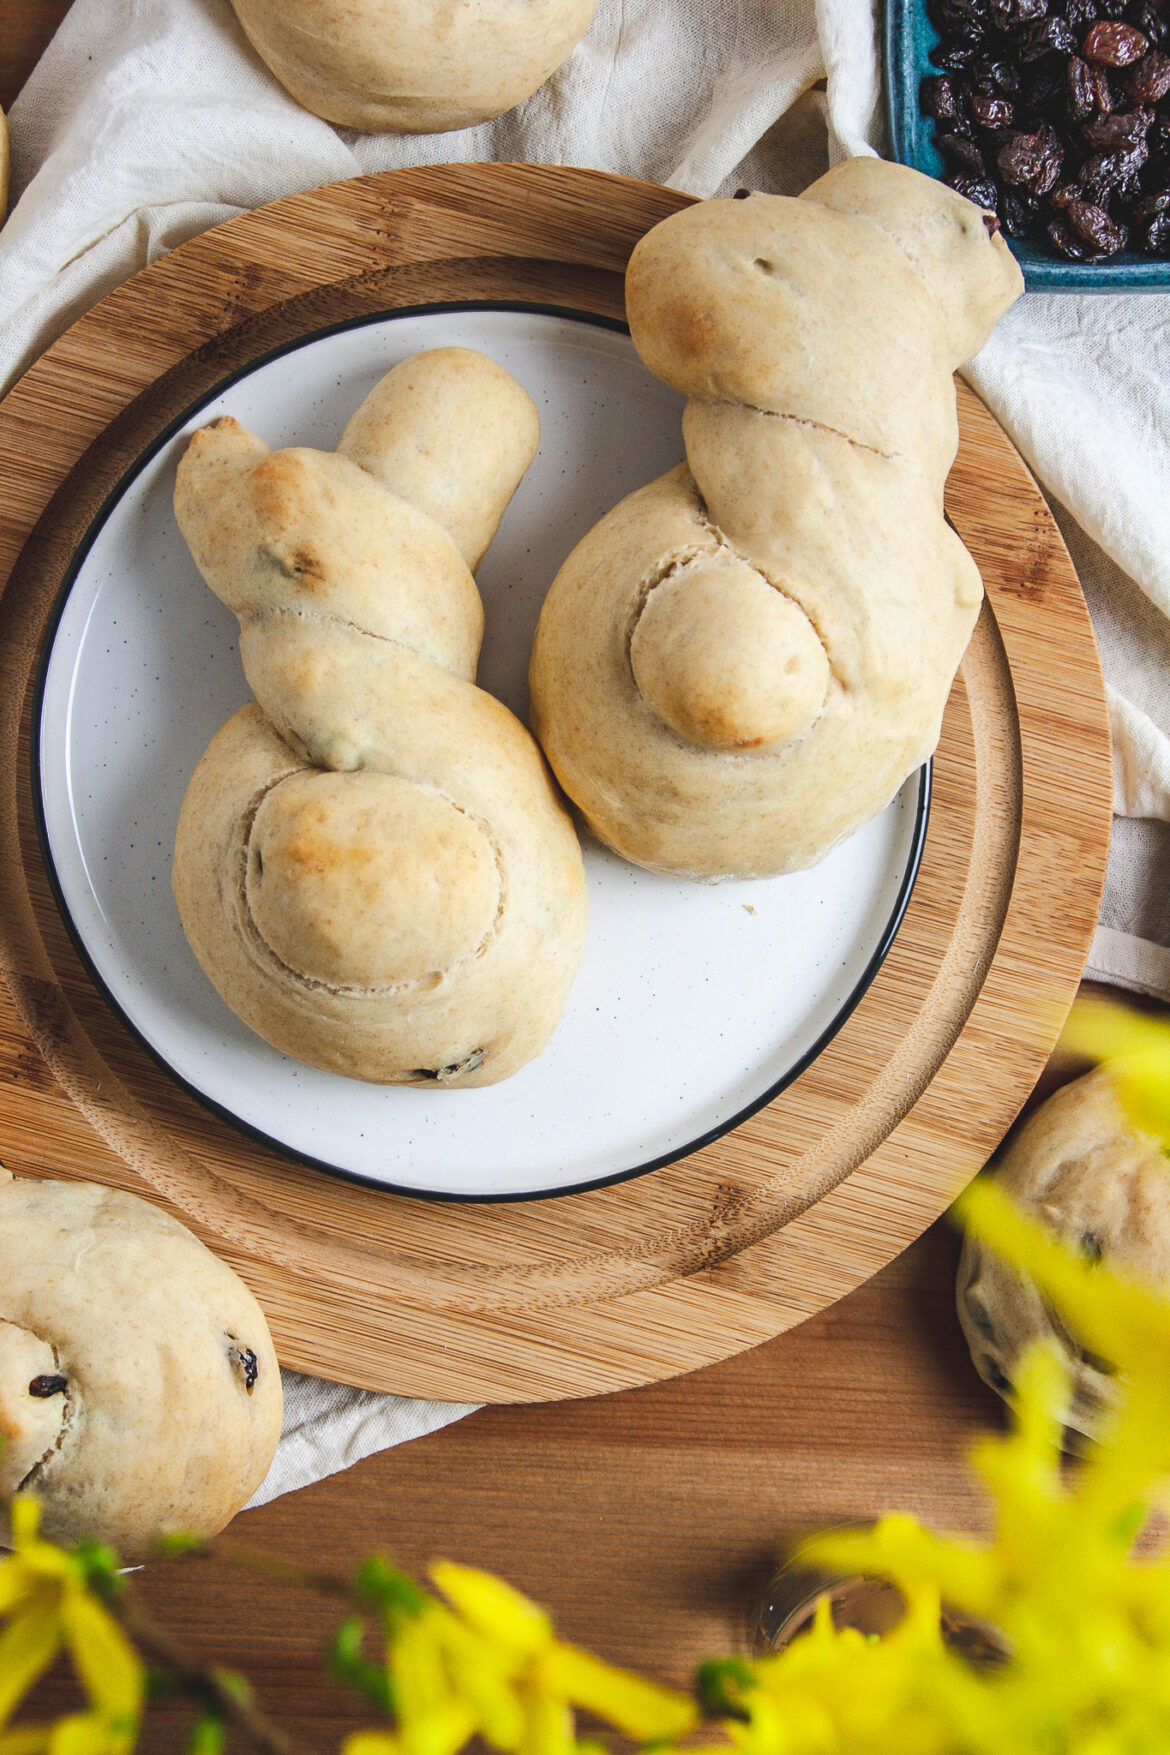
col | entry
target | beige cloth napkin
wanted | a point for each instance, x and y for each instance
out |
(149, 120)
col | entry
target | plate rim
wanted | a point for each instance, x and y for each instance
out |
(257, 1135)
(740, 1242)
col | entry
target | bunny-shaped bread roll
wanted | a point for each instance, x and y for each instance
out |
(742, 662)
(139, 1389)
(413, 66)
(373, 864)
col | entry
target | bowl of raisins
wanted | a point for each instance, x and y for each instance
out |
(1052, 114)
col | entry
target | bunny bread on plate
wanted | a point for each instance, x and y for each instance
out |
(743, 661)
(373, 864)
(413, 66)
(139, 1389)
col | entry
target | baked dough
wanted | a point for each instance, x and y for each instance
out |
(744, 660)
(413, 66)
(139, 1389)
(373, 865)
(1102, 1187)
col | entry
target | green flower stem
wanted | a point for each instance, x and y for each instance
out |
(216, 1690)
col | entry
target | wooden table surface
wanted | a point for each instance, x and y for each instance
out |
(647, 1521)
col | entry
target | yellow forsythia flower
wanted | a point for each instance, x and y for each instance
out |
(1137, 1049)
(46, 1606)
(487, 1663)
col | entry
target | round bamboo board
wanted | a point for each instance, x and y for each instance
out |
(722, 1249)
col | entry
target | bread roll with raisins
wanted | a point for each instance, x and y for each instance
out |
(373, 864)
(139, 1388)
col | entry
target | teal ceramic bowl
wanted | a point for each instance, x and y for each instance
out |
(909, 38)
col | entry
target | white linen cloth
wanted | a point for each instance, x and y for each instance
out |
(149, 120)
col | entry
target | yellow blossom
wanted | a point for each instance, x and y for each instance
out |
(46, 1606)
(486, 1662)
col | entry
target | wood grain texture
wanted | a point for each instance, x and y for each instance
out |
(729, 1246)
(25, 29)
(647, 1522)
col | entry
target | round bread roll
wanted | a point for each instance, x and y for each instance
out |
(744, 660)
(139, 1389)
(411, 68)
(1080, 1167)
(373, 864)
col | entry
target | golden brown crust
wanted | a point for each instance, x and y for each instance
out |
(382, 65)
(373, 864)
(743, 662)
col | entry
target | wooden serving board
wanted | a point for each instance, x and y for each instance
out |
(619, 1286)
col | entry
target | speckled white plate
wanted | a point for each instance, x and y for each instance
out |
(693, 1004)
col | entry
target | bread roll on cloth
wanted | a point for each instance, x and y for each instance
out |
(413, 66)
(373, 864)
(1082, 1168)
(741, 663)
(139, 1389)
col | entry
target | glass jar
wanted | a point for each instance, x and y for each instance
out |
(873, 1606)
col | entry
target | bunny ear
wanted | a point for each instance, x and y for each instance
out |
(451, 432)
(966, 264)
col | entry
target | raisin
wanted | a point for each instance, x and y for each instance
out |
(1010, 14)
(454, 1070)
(1150, 206)
(939, 98)
(1054, 36)
(44, 1387)
(1004, 77)
(1094, 225)
(964, 152)
(1102, 90)
(1045, 93)
(1111, 170)
(1081, 88)
(1114, 45)
(1149, 21)
(1032, 160)
(981, 190)
(1081, 12)
(1017, 215)
(953, 59)
(1156, 237)
(1118, 130)
(992, 112)
(1066, 242)
(1150, 80)
(246, 1363)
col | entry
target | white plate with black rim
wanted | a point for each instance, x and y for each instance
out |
(694, 1004)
